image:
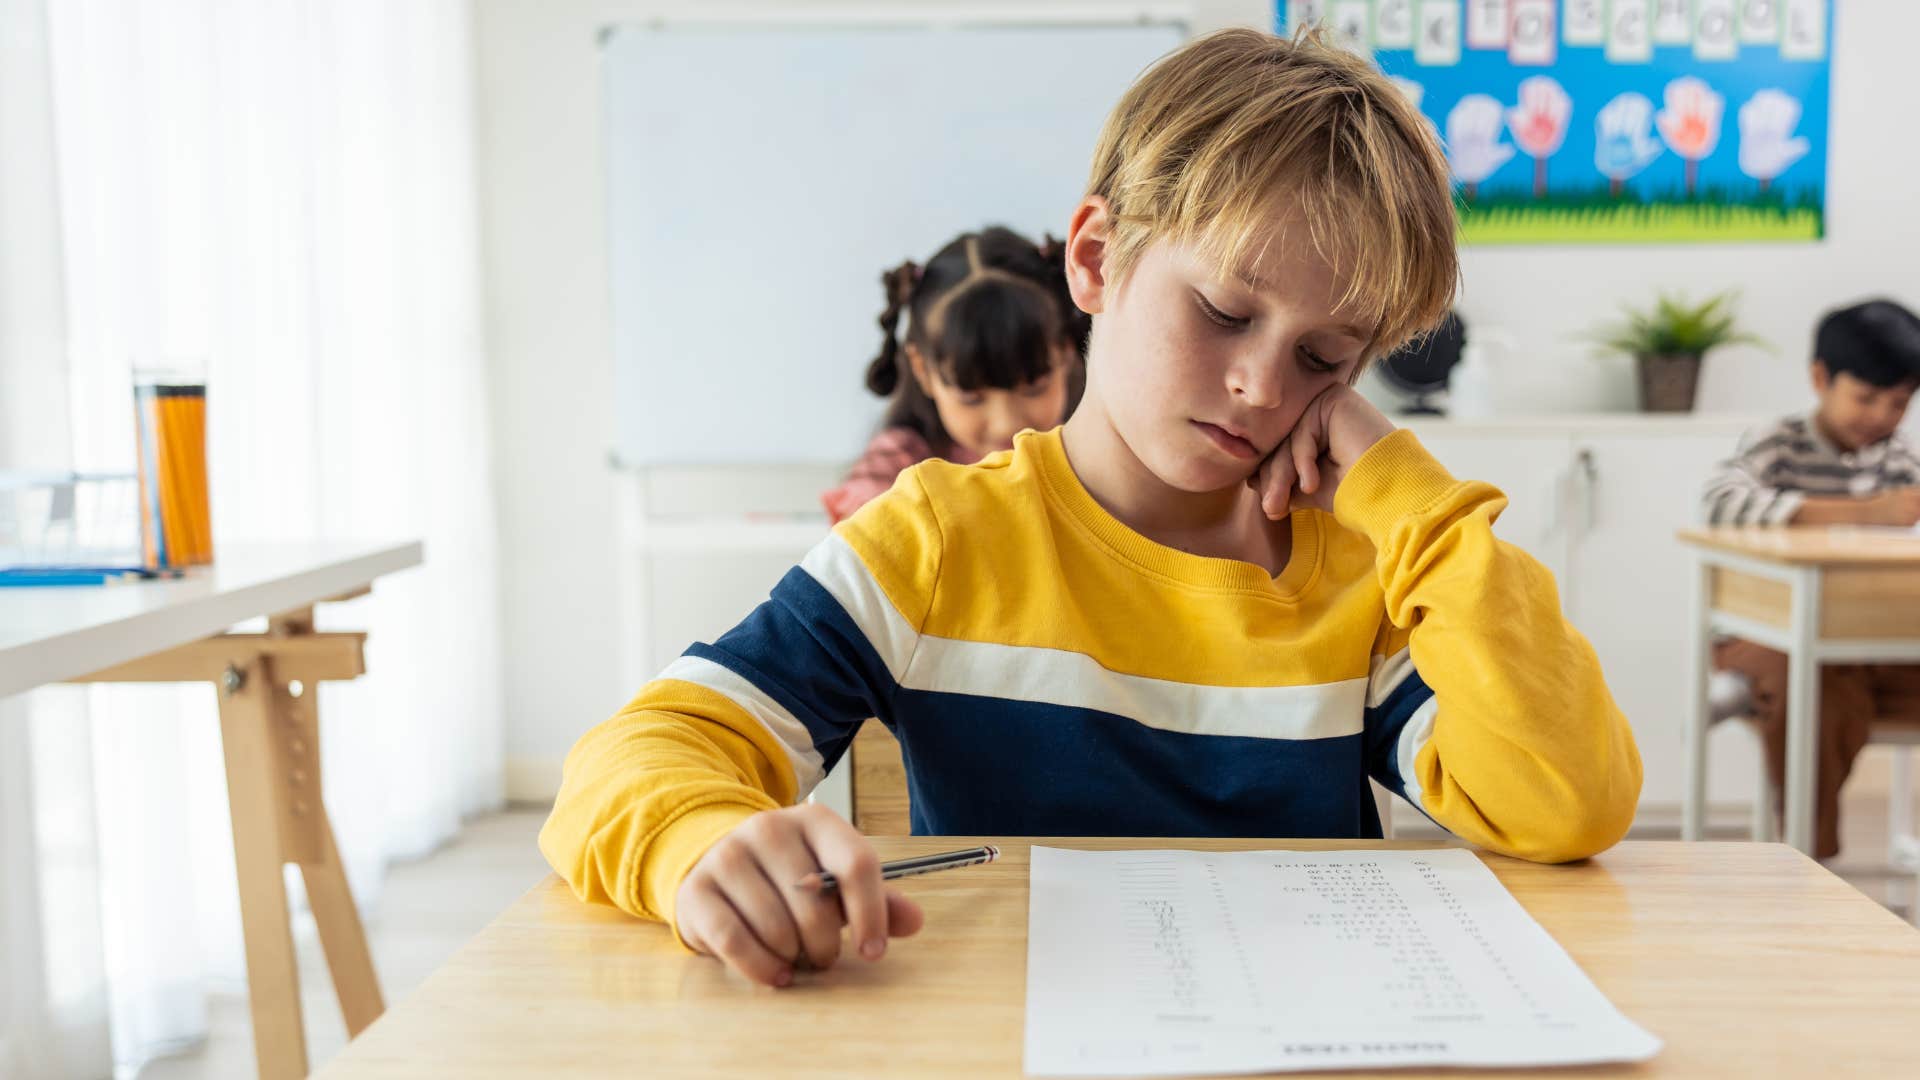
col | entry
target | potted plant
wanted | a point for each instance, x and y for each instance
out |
(1667, 344)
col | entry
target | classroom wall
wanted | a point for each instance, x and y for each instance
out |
(544, 229)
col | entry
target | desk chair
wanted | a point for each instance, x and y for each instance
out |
(1731, 698)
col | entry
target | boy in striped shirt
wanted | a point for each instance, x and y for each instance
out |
(1845, 463)
(1219, 599)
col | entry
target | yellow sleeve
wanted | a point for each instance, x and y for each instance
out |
(1495, 720)
(752, 721)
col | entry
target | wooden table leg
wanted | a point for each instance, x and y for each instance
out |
(254, 792)
(270, 728)
(297, 713)
(334, 912)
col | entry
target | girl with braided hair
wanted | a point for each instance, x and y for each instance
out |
(992, 348)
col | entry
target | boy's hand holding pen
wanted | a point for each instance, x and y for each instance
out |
(771, 896)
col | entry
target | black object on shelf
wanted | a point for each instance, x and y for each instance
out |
(1420, 370)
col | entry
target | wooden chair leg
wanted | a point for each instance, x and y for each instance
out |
(882, 805)
(253, 777)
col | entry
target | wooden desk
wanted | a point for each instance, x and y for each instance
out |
(1748, 959)
(174, 631)
(1820, 595)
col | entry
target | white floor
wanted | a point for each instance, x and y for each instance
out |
(430, 908)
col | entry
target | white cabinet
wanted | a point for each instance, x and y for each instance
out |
(1630, 582)
(1527, 465)
(1598, 500)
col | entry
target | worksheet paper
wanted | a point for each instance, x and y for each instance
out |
(1171, 962)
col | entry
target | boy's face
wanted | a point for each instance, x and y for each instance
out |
(1201, 378)
(1856, 413)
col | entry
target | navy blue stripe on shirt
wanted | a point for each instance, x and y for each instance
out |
(991, 766)
(802, 649)
(1384, 725)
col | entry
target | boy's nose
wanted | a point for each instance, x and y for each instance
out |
(1258, 386)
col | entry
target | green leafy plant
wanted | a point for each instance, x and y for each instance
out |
(1676, 327)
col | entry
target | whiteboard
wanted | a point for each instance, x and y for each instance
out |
(761, 178)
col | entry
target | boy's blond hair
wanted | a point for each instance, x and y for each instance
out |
(1221, 140)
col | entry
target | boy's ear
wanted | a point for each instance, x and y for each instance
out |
(1086, 256)
(1822, 377)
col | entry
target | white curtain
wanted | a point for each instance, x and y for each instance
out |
(281, 193)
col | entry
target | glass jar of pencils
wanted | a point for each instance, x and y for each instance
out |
(170, 423)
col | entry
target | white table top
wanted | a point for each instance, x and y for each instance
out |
(52, 634)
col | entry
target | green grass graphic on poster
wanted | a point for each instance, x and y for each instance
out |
(1613, 121)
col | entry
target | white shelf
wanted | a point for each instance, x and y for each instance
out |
(710, 534)
(1597, 423)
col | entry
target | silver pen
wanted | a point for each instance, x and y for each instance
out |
(919, 864)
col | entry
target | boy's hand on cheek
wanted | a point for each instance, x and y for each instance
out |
(1307, 467)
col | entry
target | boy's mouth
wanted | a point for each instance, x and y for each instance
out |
(1229, 441)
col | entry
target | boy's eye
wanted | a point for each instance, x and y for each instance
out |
(1233, 322)
(1038, 387)
(1315, 362)
(973, 399)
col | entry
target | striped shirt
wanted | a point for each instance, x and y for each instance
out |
(1050, 672)
(1779, 465)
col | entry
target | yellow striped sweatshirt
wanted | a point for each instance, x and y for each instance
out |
(1050, 672)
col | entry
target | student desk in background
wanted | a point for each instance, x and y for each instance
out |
(1748, 959)
(1820, 595)
(176, 631)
